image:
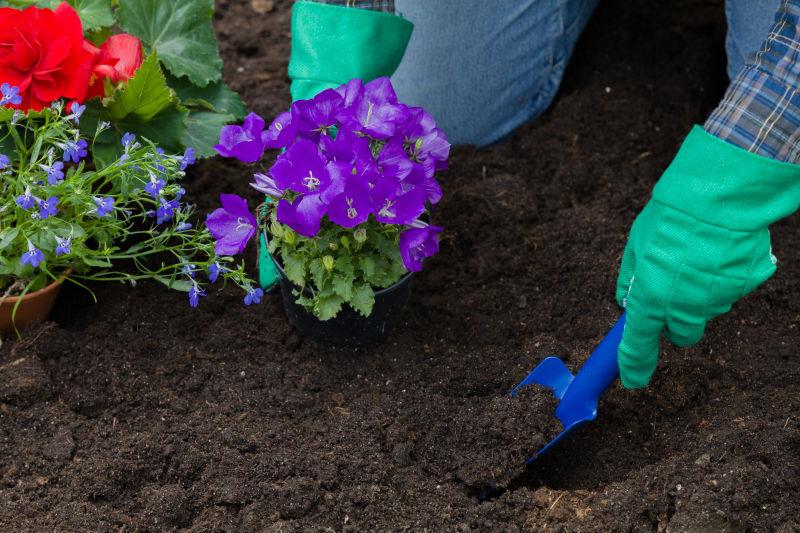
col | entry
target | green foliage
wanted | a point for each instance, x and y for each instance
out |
(180, 31)
(339, 266)
(125, 244)
(94, 13)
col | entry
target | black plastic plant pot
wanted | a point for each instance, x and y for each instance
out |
(348, 327)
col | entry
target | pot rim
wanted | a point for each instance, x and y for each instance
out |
(47, 288)
(379, 292)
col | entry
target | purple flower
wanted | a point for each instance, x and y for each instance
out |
(281, 132)
(104, 205)
(232, 225)
(77, 110)
(394, 161)
(26, 200)
(352, 206)
(213, 271)
(393, 206)
(10, 95)
(74, 150)
(418, 243)
(166, 210)
(4, 161)
(304, 214)
(426, 144)
(318, 115)
(253, 296)
(154, 186)
(244, 142)
(47, 208)
(265, 184)
(64, 246)
(375, 111)
(55, 172)
(194, 295)
(33, 256)
(346, 146)
(128, 139)
(188, 158)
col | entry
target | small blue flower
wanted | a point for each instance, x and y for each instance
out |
(55, 172)
(75, 150)
(166, 210)
(154, 186)
(128, 139)
(213, 271)
(64, 246)
(77, 110)
(180, 193)
(10, 95)
(188, 158)
(33, 256)
(194, 295)
(4, 161)
(253, 296)
(104, 205)
(26, 200)
(189, 270)
(47, 208)
(183, 226)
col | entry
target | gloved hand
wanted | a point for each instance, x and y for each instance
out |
(699, 245)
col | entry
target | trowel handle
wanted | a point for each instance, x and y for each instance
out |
(600, 371)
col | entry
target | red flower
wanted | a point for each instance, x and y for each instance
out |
(42, 53)
(117, 59)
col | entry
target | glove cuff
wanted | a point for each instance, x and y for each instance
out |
(723, 185)
(333, 44)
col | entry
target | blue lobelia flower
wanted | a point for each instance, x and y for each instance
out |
(194, 295)
(33, 256)
(4, 161)
(253, 296)
(104, 205)
(188, 158)
(64, 246)
(214, 271)
(10, 95)
(77, 110)
(26, 200)
(47, 208)
(74, 150)
(55, 172)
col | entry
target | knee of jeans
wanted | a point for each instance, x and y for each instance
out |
(749, 22)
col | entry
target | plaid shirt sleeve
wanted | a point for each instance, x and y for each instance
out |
(386, 6)
(761, 108)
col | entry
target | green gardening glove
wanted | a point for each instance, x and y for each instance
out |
(699, 245)
(330, 46)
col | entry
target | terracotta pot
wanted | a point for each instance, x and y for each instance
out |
(35, 306)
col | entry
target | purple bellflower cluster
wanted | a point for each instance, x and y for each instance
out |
(348, 154)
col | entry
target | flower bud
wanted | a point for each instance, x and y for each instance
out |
(333, 246)
(289, 236)
(360, 235)
(345, 241)
(328, 262)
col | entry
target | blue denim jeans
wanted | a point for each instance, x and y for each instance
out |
(483, 68)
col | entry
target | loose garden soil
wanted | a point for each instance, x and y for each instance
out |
(139, 413)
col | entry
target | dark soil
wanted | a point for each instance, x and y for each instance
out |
(140, 413)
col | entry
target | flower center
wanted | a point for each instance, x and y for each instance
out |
(311, 182)
(385, 210)
(242, 223)
(351, 211)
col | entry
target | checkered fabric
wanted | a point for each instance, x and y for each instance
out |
(386, 6)
(761, 108)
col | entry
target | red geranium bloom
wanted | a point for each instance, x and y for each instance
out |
(117, 59)
(42, 53)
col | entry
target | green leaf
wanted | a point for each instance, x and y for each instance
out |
(363, 299)
(180, 31)
(216, 97)
(7, 237)
(175, 284)
(144, 96)
(295, 267)
(367, 265)
(343, 286)
(99, 263)
(318, 272)
(94, 13)
(202, 131)
(328, 307)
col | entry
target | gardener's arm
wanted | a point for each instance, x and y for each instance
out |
(702, 242)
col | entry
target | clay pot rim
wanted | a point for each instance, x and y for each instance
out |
(11, 300)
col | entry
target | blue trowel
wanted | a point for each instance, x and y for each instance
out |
(577, 394)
